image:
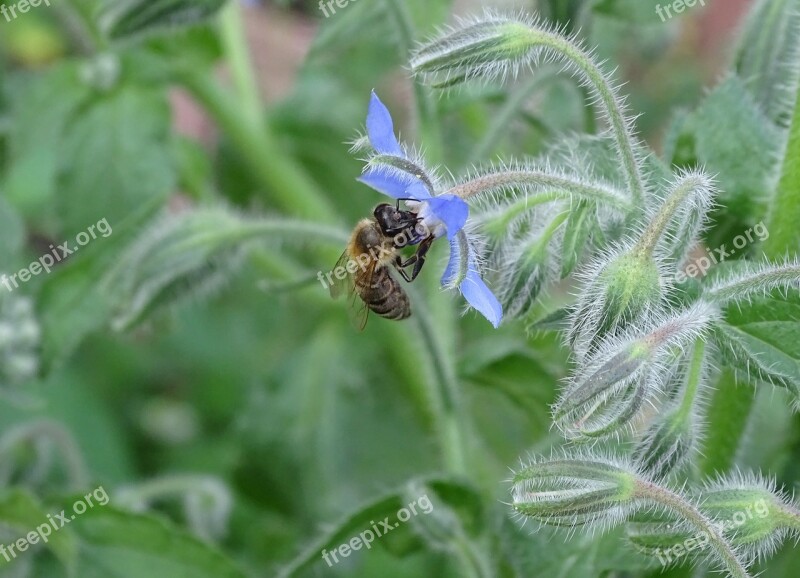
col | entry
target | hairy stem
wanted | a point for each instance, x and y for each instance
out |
(693, 378)
(607, 98)
(757, 282)
(656, 228)
(560, 185)
(676, 503)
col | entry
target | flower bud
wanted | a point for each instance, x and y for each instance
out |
(20, 335)
(619, 293)
(484, 48)
(751, 513)
(573, 490)
(667, 443)
(606, 392)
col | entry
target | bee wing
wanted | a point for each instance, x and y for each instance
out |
(364, 278)
(359, 311)
(343, 286)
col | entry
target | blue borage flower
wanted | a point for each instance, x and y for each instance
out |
(391, 172)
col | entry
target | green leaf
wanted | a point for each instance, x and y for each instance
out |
(36, 136)
(734, 140)
(641, 11)
(546, 553)
(134, 18)
(730, 406)
(118, 544)
(22, 514)
(193, 253)
(350, 526)
(116, 157)
(73, 302)
(784, 215)
(760, 340)
(767, 56)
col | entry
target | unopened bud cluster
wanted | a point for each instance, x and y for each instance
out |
(19, 339)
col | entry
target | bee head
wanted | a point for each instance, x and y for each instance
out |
(393, 220)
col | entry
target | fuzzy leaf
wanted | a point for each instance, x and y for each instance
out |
(117, 156)
(734, 140)
(767, 57)
(761, 340)
(21, 513)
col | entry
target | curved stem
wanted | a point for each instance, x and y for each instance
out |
(676, 503)
(60, 436)
(561, 185)
(607, 97)
(656, 228)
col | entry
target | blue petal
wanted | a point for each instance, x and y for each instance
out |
(393, 185)
(479, 296)
(450, 210)
(380, 129)
(457, 266)
(418, 190)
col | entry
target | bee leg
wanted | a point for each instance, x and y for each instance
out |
(417, 259)
(398, 265)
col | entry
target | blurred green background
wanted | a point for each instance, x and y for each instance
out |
(231, 430)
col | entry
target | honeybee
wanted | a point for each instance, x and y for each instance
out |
(363, 269)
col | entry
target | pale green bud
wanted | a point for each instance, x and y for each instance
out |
(573, 490)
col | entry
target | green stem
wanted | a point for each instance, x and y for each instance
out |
(784, 212)
(756, 283)
(288, 185)
(693, 378)
(505, 115)
(428, 128)
(607, 97)
(656, 228)
(447, 395)
(171, 486)
(563, 186)
(237, 55)
(652, 492)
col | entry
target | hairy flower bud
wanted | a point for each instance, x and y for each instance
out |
(746, 511)
(751, 513)
(19, 339)
(573, 489)
(667, 443)
(620, 291)
(477, 49)
(606, 392)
